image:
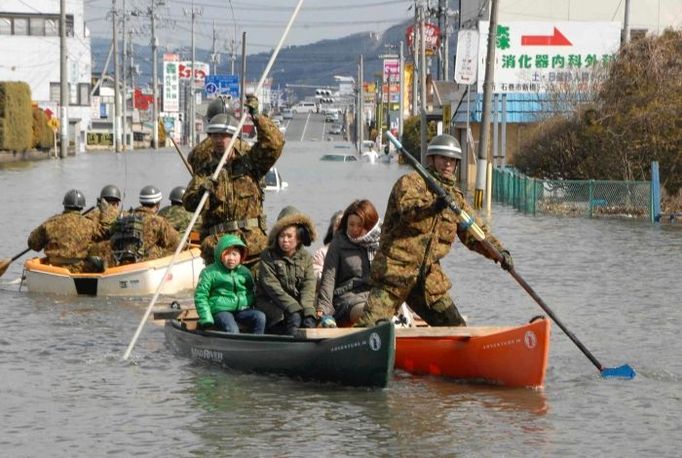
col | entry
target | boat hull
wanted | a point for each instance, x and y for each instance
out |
(508, 356)
(137, 279)
(363, 358)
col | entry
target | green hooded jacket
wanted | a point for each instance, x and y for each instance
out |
(221, 289)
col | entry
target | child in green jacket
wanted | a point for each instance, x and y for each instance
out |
(224, 295)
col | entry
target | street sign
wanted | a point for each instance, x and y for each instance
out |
(466, 60)
(542, 56)
(53, 123)
(216, 85)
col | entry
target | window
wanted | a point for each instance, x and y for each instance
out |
(84, 94)
(51, 27)
(20, 26)
(54, 92)
(37, 26)
(73, 94)
(5, 26)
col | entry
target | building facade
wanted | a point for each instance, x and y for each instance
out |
(29, 46)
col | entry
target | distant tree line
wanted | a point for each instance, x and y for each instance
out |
(634, 118)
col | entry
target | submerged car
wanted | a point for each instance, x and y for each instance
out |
(273, 180)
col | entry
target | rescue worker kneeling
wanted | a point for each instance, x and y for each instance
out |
(142, 234)
(66, 237)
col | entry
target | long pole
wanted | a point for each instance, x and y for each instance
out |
(488, 89)
(63, 84)
(204, 198)
(117, 81)
(155, 88)
(242, 78)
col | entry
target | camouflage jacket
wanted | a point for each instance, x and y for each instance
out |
(178, 217)
(237, 194)
(416, 233)
(160, 239)
(68, 235)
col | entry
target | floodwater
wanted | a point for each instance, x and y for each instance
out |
(64, 390)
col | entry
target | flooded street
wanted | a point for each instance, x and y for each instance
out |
(614, 283)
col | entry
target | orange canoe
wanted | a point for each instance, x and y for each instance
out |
(513, 356)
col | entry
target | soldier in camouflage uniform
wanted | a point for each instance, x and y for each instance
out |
(176, 214)
(418, 231)
(109, 196)
(159, 239)
(235, 203)
(66, 237)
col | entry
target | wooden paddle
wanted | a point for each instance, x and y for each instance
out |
(4, 264)
(204, 197)
(624, 371)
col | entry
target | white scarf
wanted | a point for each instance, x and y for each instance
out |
(370, 241)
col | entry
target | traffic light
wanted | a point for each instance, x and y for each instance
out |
(323, 92)
(327, 100)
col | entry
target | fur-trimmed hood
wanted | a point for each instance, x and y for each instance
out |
(291, 216)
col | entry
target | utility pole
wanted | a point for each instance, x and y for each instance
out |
(422, 81)
(488, 89)
(131, 69)
(125, 82)
(155, 87)
(360, 122)
(192, 90)
(401, 114)
(63, 85)
(215, 57)
(415, 62)
(445, 63)
(117, 93)
(626, 23)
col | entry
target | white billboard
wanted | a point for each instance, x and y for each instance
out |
(466, 59)
(171, 83)
(536, 56)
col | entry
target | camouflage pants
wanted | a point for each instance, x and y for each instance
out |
(427, 296)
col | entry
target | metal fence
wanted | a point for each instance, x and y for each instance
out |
(591, 198)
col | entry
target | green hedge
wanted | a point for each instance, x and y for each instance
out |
(16, 116)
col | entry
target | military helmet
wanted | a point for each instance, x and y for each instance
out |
(110, 192)
(222, 123)
(176, 194)
(444, 145)
(150, 195)
(74, 200)
(221, 105)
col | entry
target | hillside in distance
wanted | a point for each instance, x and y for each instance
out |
(315, 64)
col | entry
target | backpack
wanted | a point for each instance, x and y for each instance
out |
(127, 241)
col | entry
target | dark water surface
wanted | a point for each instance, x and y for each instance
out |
(64, 390)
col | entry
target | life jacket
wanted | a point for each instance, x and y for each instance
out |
(127, 241)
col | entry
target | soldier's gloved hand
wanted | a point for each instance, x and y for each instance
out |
(507, 261)
(309, 322)
(327, 322)
(208, 185)
(251, 105)
(439, 204)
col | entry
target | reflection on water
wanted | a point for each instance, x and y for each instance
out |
(614, 283)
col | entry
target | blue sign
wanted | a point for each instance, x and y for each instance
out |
(216, 85)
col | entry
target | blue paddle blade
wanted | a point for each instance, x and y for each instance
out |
(624, 371)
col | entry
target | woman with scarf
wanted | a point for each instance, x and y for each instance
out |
(345, 283)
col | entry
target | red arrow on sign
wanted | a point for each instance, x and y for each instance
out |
(557, 39)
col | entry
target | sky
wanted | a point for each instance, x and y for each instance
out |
(264, 21)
